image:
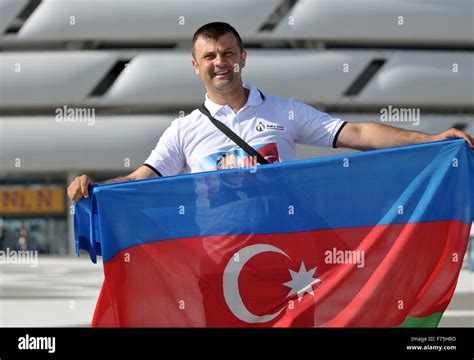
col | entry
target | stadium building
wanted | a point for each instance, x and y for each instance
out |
(90, 86)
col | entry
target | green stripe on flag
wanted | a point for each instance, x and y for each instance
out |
(429, 321)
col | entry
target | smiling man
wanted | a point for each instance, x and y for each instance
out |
(270, 125)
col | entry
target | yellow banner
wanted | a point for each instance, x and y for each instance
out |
(28, 201)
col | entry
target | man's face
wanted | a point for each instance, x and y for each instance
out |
(219, 63)
(228, 161)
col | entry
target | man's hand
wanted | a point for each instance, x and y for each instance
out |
(78, 187)
(455, 134)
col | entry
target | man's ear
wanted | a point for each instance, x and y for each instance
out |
(244, 57)
(195, 66)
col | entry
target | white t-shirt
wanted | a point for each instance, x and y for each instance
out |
(271, 125)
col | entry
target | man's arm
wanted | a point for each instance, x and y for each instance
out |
(79, 186)
(369, 135)
(143, 172)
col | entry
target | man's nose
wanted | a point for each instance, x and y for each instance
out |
(218, 60)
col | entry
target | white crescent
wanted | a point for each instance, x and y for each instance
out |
(231, 283)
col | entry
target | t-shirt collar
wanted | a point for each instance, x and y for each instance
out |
(254, 99)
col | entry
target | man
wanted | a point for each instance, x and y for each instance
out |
(271, 125)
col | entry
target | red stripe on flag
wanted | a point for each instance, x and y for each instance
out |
(363, 277)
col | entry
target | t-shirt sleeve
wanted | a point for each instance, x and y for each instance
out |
(167, 158)
(314, 127)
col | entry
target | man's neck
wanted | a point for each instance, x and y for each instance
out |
(235, 99)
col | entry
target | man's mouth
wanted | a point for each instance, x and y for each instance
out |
(221, 73)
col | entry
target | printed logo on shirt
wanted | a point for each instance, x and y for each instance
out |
(275, 127)
(261, 127)
(238, 158)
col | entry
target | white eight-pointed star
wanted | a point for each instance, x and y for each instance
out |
(301, 282)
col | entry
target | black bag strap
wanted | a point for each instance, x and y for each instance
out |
(233, 136)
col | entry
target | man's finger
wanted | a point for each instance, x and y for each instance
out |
(73, 189)
(69, 193)
(462, 135)
(85, 190)
(470, 140)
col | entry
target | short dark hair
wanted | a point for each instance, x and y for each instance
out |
(215, 30)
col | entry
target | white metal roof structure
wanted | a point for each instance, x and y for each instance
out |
(166, 79)
(130, 62)
(381, 21)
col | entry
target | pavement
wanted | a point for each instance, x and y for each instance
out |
(62, 292)
(59, 292)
